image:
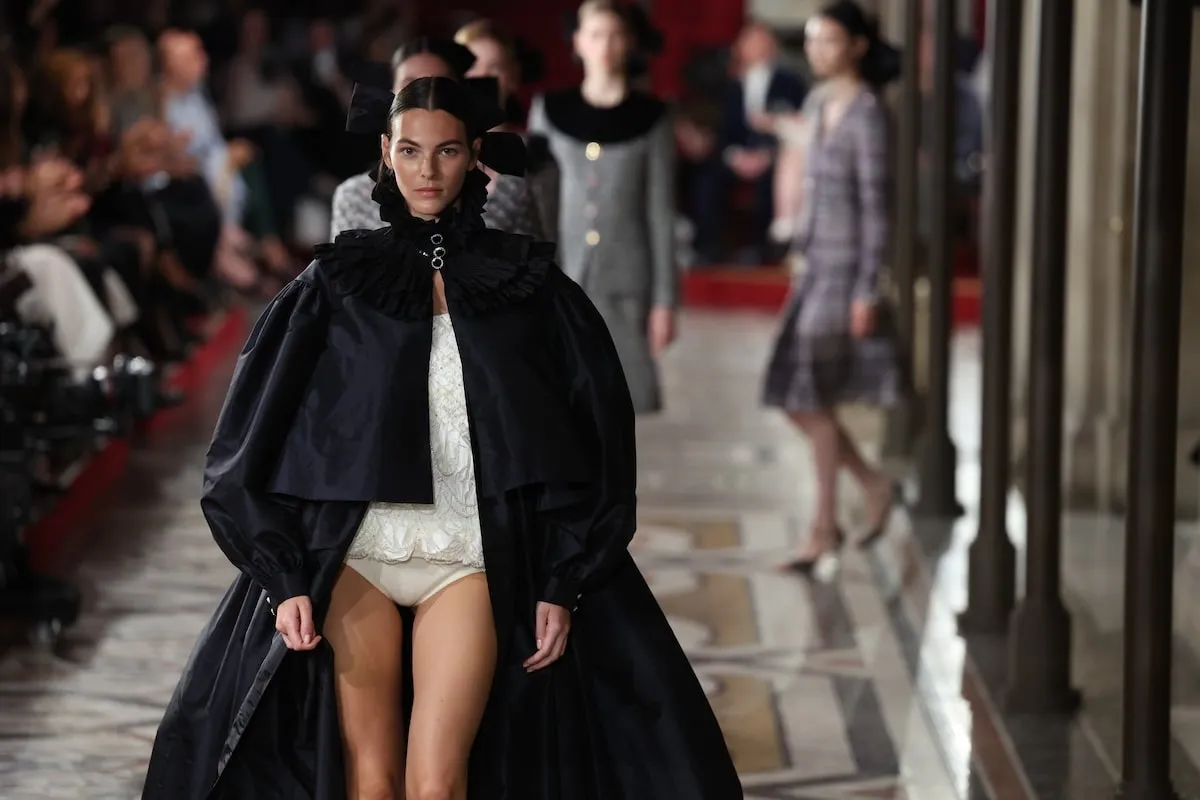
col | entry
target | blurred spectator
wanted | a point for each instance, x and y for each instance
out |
(745, 147)
(324, 90)
(230, 167)
(253, 93)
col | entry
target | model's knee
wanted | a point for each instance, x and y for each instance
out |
(807, 421)
(434, 787)
(374, 784)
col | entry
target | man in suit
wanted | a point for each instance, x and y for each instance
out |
(744, 150)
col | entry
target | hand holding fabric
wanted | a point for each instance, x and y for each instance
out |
(553, 625)
(294, 620)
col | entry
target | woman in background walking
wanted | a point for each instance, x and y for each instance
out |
(615, 147)
(836, 345)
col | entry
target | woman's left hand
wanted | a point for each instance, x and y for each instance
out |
(862, 319)
(553, 624)
(660, 329)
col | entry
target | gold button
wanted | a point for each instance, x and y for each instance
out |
(592, 238)
(593, 151)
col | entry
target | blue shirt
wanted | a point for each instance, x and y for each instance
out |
(194, 114)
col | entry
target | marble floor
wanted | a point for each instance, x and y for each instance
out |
(857, 687)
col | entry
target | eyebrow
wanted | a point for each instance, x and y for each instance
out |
(406, 140)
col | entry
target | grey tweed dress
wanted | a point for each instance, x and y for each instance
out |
(616, 217)
(843, 235)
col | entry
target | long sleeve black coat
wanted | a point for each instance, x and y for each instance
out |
(327, 412)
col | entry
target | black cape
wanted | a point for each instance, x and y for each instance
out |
(328, 411)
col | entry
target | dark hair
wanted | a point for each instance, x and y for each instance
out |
(880, 64)
(440, 94)
(457, 57)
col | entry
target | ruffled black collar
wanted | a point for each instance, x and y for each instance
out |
(391, 269)
(632, 118)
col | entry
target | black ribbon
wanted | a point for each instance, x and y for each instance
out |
(501, 151)
(369, 108)
(530, 62)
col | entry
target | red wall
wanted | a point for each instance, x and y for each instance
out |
(688, 25)
(540, 23)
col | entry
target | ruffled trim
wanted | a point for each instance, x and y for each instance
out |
(373, 267)
(508, 270)
(386, 270)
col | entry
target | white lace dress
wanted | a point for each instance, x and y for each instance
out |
(446, 532)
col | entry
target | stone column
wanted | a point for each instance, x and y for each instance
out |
(1098, 316)
(1024, 244)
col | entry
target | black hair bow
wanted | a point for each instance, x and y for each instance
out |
(530, 61)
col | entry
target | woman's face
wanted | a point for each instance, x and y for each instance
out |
(430, 155)
(421, 65)
(492, 61)
(831, 50)
(601, 43)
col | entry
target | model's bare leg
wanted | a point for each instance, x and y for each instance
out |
(363, 628)
(821, 428)
(454, 658)
(878, 489)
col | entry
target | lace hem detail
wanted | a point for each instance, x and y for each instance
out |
(460, 553)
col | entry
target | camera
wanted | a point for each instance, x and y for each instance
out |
(53, 411)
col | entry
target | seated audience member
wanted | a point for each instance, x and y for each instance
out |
(248, 231)
(745, 146)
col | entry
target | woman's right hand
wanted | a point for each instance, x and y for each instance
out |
(56, 200)
(294, 620)
(51, 175)
(51, 213)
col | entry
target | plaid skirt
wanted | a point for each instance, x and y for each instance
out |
(817, 364)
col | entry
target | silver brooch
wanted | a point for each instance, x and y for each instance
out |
(437, 261)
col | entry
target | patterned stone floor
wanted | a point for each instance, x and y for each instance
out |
(854, 688)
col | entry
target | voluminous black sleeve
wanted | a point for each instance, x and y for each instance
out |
(595, 532)
(257, 530)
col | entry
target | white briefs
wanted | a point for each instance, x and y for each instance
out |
(413, 582)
